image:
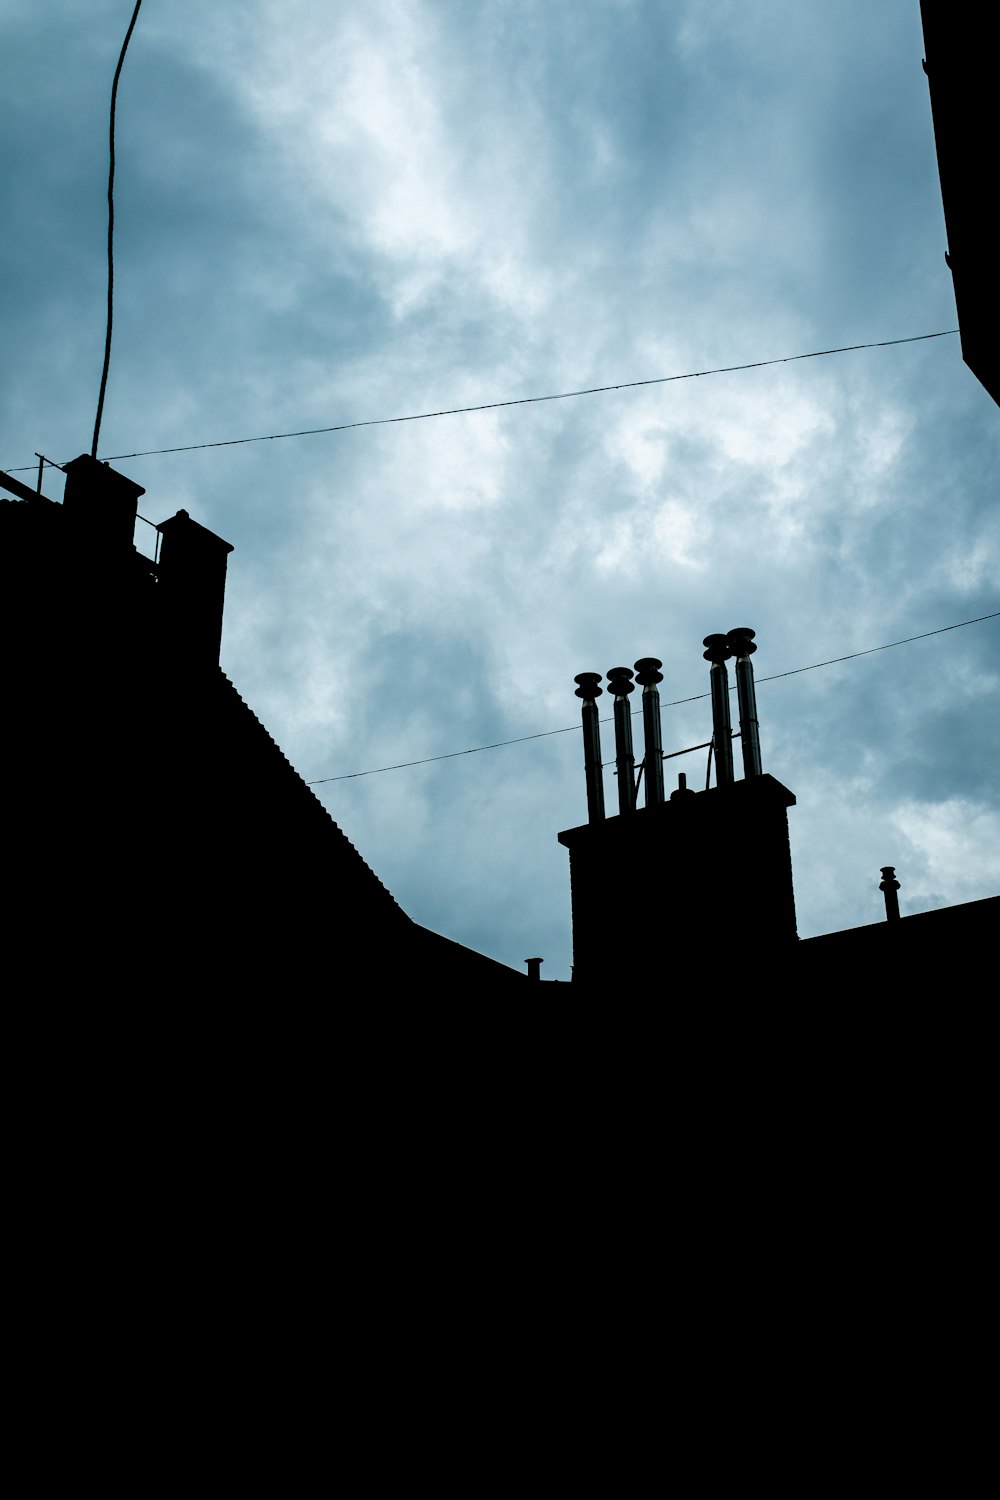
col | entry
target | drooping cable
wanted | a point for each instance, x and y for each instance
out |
(595, 390)
(111, 231)
(674, 703)
(456, 411)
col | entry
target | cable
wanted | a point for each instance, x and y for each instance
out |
(450, 755)
(674, 703)
(871, 649)
(111, 231)
(454, 411)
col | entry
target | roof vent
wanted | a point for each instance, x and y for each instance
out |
(889, 885)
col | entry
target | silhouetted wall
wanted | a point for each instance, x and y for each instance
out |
(657, 894)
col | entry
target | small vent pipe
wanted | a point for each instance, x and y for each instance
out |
(620, 683)
(590, 692)
(647, 672)
(889, 885)
(718, 653)
(742, 646)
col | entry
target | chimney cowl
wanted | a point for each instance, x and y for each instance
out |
(620, 682)
(588, 689)
(741, 641)
(719, 648)
(647, 671)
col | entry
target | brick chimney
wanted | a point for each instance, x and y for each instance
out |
(192, 572)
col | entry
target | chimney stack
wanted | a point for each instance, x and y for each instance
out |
(666, 873)
(192, 570)
(101, 505)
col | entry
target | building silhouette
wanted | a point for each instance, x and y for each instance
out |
(961, 78)
(147, 805)
(144, 797)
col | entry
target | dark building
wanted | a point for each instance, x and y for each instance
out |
(961, 73)
(154, 831)
(152, 827)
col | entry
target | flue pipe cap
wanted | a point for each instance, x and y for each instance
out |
(719, 648)
(741, 641)
(588, 688)
(647, 671)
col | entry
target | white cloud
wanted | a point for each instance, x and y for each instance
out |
(956, 848)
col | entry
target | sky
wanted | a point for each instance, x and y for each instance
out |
(334, 214)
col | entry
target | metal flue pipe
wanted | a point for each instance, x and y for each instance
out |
(620, 683)
(718, 653)
(590, 692)
(647, 672)
(889, 885)
(741, 644)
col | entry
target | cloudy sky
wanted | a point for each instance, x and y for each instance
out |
(338, 213)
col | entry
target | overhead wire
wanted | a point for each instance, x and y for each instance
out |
(111, 232)
(674, 703)
(455, 411)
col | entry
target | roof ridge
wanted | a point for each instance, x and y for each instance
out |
(306, 790)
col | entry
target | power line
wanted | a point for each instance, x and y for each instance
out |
(871, 649)
(111, 230)
(455, 411)
(674, 703)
